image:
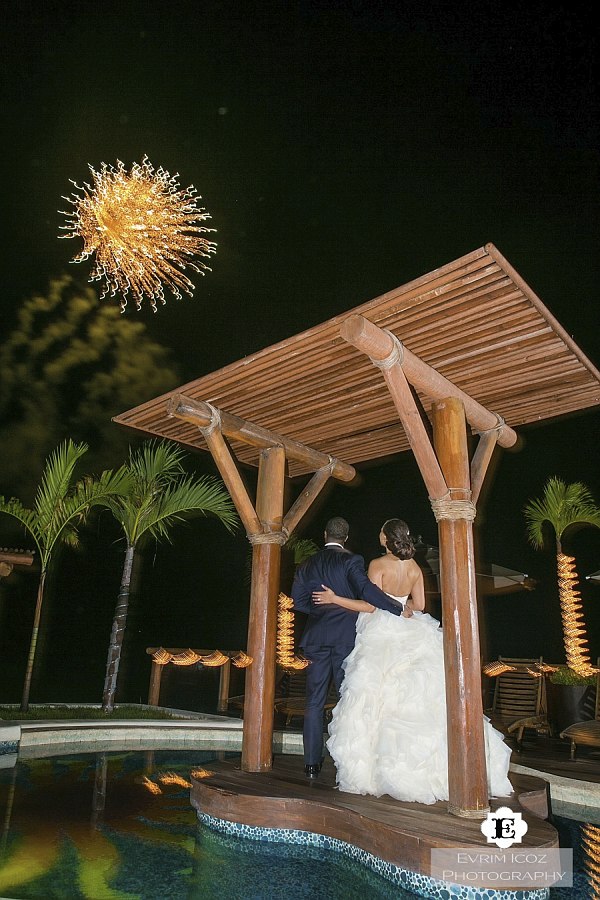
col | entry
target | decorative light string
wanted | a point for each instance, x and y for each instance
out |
(150, 785)
(186, 658)
(493, 669)
(590, 842)
(577, 652)
(174, 778)
(535, 673)
(285, 636)
(201, 773)
(240, 659)
(546, 668)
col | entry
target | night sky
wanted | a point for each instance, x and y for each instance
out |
(342, 149)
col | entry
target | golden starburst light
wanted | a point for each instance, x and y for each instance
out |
(143, 230)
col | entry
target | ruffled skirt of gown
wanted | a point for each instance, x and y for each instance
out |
(388, 731)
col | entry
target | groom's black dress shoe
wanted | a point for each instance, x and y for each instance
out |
(312, 771)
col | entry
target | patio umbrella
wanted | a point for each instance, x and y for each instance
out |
(492, 579)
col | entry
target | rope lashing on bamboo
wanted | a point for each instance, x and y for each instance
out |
(500, 423)
(330, 465)
(447, 508)
(215, 421)
(396, 355)
(268, 537)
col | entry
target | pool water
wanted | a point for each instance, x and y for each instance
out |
(120, 826)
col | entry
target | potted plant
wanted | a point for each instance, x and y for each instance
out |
(569, 697)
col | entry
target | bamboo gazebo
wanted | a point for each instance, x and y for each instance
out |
(468, 346)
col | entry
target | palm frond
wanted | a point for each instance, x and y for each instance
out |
(302, 548)
(156, 462)
(186, 498)
(69, 536)
(561, 505)
(56, 480)
(27, 517)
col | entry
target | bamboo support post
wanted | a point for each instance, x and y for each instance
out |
(257, 743)
(467, 775)
(154, 688)
(379, 344)
(224, 679)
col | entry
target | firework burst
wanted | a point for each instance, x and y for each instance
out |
(143, 229)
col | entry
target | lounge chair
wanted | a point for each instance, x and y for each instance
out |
(587, 733)
(294, 701)
(520, 698)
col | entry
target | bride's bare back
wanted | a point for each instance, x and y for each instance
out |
(399, 577)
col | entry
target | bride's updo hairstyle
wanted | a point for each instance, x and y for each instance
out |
(398, 539)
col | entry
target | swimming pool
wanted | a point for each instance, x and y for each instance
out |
(119, 826)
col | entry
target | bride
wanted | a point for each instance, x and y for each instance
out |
(388, 731)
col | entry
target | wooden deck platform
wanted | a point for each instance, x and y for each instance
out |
(402, 834)
(553, 755)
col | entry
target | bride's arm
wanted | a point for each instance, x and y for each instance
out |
(327, 597)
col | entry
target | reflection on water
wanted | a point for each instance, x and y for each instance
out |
(119, 826)
(584, 838)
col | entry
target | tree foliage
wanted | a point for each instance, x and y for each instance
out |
(59, 508)
(562, 506)
(70, 364)
(159, 496)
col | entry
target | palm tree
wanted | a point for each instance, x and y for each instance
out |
(564, 506)
(58, 510)
(160, 496)
(301, 548)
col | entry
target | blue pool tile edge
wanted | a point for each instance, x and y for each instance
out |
(10, 737)
(414, 882)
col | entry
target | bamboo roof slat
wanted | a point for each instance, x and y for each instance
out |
(474, 320)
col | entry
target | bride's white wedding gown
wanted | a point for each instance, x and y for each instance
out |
(388, 731)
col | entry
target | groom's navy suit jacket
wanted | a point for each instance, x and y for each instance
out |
(343, 572)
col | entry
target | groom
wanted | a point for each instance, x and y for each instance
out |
(330, 631)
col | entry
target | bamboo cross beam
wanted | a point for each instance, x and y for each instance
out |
(379, 344)
(199, 413)
(306, 498)
(480, 462)
(233, 481)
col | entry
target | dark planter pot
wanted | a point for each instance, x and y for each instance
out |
(568, 703)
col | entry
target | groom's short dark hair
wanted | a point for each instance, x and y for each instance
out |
(337, 529)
